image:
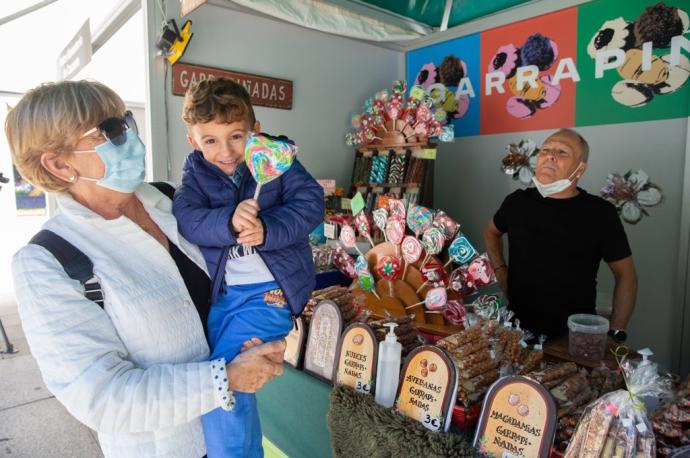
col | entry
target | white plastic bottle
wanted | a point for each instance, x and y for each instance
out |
(388, 368)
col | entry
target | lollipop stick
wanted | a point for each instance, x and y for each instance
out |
(426, 258)
(371, 242)
(423, 285)
(448, 263)
(415, 305)
(258, 189)
(405, 271)
(373, 291)
(390, 288)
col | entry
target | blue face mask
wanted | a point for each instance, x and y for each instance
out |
(124, 163)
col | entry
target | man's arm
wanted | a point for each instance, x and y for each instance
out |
(493, 239)
(624, 293)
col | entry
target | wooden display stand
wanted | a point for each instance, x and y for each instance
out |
(405, 294)
(397, 139)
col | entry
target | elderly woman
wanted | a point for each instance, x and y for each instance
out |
(136, 369)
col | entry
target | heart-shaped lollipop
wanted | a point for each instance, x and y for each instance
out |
(267, 158)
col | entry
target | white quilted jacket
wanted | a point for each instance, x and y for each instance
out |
(136, 372)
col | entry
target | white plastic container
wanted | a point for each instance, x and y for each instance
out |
(587, 335)
(388, 368)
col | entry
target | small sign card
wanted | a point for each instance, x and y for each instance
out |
(329, 231)
(518, 419)
(328, 186)
(428, 387)
(295, 343)
(357, 357)
(324, 333)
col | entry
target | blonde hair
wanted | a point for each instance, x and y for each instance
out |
(53, 117)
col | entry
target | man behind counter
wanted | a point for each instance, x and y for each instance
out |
(557, 236)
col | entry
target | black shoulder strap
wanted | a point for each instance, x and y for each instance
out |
(164, 187)
(76, 264)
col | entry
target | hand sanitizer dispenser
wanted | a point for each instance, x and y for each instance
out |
(388, 368)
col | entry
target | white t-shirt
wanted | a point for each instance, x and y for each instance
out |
(245, 267)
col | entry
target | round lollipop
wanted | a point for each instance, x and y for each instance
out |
(395, 230)
(435, 299)
(411, 251)
(344, 262)
(461, 251)
(396, 207)
(455, 312)
(267, 158)
(432, 242)
(364, 226)
(367, 283)
(348, 238)
(419, 219)
(388, 267)
(447, 225)
(380, 216)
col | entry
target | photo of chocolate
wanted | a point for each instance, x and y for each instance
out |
(540, 51)
(523, 410)
(631, 69)
(520, 107)
(632, 94)
(427, 75)
(425, 372)
(513, 399)
(506, 60)
(423, 363)
(614, 34)
(452, 70)
(358, 339)
(432, 367)
(659, 23)
(677, 75)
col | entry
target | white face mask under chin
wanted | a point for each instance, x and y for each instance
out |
(557, 186)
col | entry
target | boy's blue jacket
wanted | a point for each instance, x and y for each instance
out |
(291, 207)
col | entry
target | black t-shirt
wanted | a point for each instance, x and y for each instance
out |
(555, 248)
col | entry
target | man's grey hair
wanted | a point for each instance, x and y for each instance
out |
(584, 146)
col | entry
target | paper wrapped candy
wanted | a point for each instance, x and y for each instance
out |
(361, 265)
(433, 273)
(432, 241)
(379, 169)
(630, 193)
(455, 312)
(267, 158)
(435, 299)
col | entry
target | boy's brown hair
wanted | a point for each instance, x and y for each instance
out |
(217, 99)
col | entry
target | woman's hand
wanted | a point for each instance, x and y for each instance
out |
(250, 370)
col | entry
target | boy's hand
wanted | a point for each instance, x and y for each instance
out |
(253, 235)
(253, 342)
(245, 215)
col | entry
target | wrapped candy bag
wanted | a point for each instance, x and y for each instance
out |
(616, 424)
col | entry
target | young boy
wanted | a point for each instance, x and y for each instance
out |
(257, 253)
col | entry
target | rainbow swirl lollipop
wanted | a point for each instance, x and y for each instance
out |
(419, 219)
(267, 158)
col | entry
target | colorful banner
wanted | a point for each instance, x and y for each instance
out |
(602, 62)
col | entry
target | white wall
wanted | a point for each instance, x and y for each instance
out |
(332, 76)
(470, 187)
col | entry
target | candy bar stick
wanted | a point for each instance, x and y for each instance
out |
(258, 189)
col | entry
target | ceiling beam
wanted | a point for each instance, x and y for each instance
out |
(384, 15)
(25, 11)
(122, 13)
(446, 15)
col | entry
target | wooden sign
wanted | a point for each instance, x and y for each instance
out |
(518, 419)
(324, 332)
(264, 91)
(295, 344)
(428, 387)
(187, 6)
(356, 360)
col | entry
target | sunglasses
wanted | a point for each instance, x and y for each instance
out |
(114, 129)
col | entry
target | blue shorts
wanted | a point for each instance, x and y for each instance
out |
(244, 311)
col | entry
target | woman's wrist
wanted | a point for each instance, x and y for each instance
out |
(221, 387)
